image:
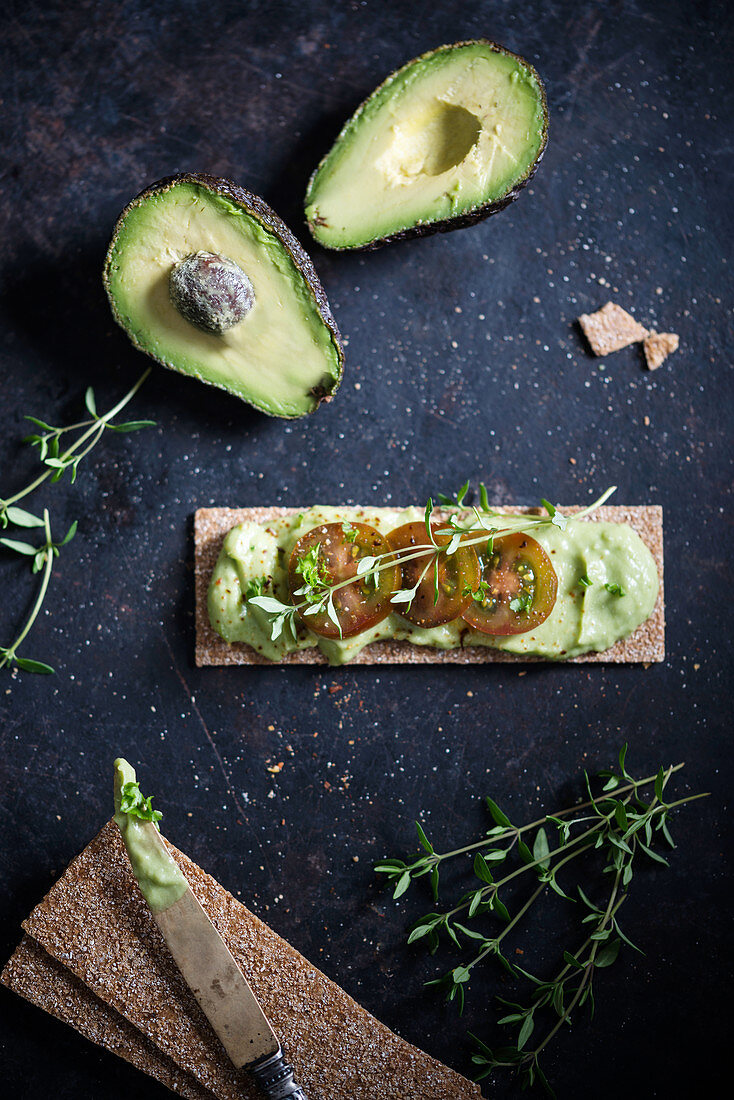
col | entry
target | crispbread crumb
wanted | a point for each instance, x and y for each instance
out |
(658, 346)
(610, 329)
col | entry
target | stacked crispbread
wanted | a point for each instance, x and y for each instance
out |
(646, 644)
(93, 956)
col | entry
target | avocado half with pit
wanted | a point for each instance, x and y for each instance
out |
(206, 279)
(444, 142)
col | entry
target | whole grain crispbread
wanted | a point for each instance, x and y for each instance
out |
(95, 922)
(646, 644)
(35, 975)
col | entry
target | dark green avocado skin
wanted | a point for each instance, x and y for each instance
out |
(258, 208)
(471, 217)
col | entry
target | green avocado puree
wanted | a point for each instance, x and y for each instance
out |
(159, 877)
(583, 619)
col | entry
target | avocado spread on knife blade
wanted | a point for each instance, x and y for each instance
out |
(160, 880)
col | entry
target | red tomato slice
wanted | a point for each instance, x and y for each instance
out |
(458, 576)
(518, 587)
(330, 554)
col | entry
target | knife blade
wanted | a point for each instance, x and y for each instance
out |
(203, 958)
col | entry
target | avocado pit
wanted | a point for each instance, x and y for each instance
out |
(210, 291)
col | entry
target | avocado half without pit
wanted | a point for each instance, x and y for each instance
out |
(206, 279)
(447, 140)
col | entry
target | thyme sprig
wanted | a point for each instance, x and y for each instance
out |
(463, 520)
(618, 825)
(56, 462)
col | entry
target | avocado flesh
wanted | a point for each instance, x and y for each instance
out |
(443, 142)
(285, 356)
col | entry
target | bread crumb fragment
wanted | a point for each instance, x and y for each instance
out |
(610, 329)
(658, 346)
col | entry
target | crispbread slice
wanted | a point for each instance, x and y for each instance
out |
(646, 644)
(34, 974)
(95, 921)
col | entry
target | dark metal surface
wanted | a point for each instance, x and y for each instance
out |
(462, 361)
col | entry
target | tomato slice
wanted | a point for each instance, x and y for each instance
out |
(330, 554)
(518, 587)
(458, 576)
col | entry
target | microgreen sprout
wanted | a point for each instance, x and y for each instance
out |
(56, 461)
(133, 804)
(476, 526)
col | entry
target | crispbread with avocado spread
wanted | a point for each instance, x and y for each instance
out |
(96, 923)
(645, 644)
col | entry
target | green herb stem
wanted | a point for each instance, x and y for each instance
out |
(611, 911)
(55, 463)
(9, 654)
(622, 827)
(517, 831)
(97, 425)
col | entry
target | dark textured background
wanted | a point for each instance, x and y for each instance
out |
(462, 361)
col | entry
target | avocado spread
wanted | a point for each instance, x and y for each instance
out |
(159, 878)
(607, 587)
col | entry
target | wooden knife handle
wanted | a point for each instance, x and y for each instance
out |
(275, 1078)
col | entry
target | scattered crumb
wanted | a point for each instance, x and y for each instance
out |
(610, 329)
(646, 421)
(658, 346)
(572, 461)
